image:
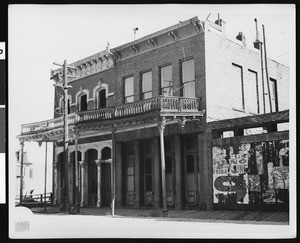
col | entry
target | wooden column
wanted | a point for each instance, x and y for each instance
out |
(21, 153)
(82, 182)
(98, 162)
(178, 188)
(70, 177)
(156, 198)
(205, 167)
(137, 174)
(76, 170)
(55, 177)
(119, 179)
(161, 128)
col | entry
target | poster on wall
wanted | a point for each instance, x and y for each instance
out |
(254, 174)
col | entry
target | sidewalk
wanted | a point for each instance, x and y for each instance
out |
(222, 216)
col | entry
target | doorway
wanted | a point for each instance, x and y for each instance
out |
(91, 156)
(105, 184)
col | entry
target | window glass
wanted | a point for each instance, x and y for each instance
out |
(130, 148)
(190, 163)
(129, 90)
(273, 90)
(148, 147)
(83, 103)
(102, 98)
(148, 166)
(188, 78)
(169, 167)
(166, 81)
(236, 95)
(250, 92)
(147, 85)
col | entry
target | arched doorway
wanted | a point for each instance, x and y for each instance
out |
(106, 177)
(73, 171)
(91, 156)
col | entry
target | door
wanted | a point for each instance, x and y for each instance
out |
(170, 180)
(148, 181)
(105, 184)
(191, 170)
(170, 171)
(92, 177)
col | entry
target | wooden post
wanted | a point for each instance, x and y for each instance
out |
(178, 202)
(161, 128)
(77, 196)
(113, 171)
(118, 174)
(45, 188)
(21, 151)
(157, 169)
(98, 162)
(82, 183)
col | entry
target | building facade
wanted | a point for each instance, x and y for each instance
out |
(138, 115)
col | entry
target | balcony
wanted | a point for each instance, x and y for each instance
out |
(158, 105)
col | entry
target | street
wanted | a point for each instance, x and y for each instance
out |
(82, 226)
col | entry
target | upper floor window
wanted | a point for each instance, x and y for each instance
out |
(274, 97)
(166, 82)
(83, 103)
(147, 85)
(128, 90)
(188, 78)
(251, 92)
(102, 98)
(236, 96)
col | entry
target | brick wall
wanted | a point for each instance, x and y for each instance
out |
(153, 60)
(220, 54)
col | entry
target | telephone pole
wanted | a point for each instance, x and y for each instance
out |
(62, 81)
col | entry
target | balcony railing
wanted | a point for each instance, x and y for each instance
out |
(157, 104)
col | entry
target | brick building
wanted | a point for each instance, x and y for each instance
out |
(144, 108)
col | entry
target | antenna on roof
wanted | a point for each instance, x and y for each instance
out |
(134, 32)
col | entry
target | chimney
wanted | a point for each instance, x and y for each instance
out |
(241, 38)
(222, 24)
(257, 41)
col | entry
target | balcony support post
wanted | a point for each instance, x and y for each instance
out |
(82, 182)
(161, 128)
(98, 163)
(21, 151)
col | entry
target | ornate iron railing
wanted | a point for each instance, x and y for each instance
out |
(157, 104)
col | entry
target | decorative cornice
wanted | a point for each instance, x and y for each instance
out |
(135, 49)
(173, 35)
(153, 42)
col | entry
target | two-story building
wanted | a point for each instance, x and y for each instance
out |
(145, 105)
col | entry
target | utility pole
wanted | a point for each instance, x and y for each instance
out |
(63, 83)
(267, 73)
(257, 41)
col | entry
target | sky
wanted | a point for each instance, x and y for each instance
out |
(42, 34)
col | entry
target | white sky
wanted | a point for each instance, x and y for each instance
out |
(41, 34)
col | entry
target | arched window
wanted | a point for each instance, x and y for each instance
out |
(83, 103)
(106, 153)
(102, 98)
